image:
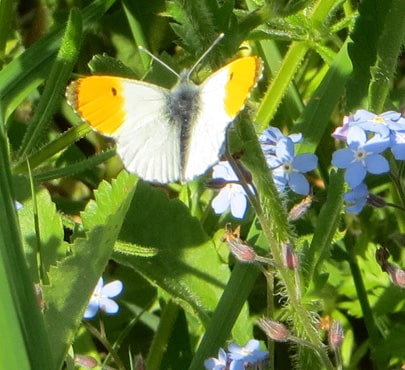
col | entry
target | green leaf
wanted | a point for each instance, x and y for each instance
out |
(13, 353)
(27, 342)
(55, 84)
(74, 278)
(314, 120)
(290, 64)
(326, 227)
(6, 14)
(199, 22)
(25, 73)
(43, 246)
(186, 264)
(389, 47)
(106, 65)
(230, 305)
(363, 49)
(75, 168)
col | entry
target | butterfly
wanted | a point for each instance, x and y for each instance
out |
(166, 135)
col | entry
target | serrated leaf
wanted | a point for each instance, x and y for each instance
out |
(74, 278)
(363, 49)
(186, 265)
(106, 65)
(199, 22)
(50, 236)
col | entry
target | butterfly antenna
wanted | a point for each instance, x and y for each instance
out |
(216, 41)
(158, 60)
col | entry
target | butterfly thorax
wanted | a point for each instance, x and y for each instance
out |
(183, 108)
(182, 102)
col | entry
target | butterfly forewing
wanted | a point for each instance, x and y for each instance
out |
(147, 142)
(133, 113)
(222, 96)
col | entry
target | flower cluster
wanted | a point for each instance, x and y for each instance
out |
(100, 299)
(238, 358)
(367, 136)
(287, 168)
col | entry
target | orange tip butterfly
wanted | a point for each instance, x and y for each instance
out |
(167, 135)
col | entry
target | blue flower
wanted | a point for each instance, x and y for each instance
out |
(356, 199)
(249, 353)
(271, 136)
(398, 144)
(100, 299)
(380, 124)
(288, 168)
(222, 362)
(362, 156)
(340, 133)
(231, 195)
(219, 363)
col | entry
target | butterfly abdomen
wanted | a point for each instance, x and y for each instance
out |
(182, 110)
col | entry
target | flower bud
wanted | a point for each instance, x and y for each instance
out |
(274, 330)
(290, 258)
(217, 183)
(242, 251)
(38, 294)
(336, 334)
(85, 361)
(300, 209)
(397, 275)
(139, 363)
(376, 201)
(247, 175)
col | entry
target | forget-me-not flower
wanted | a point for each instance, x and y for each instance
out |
(383, 124)
(288, 168)
(223, 362)
(397, 144)
(340, 132)
(380, 124)
(101, 298)
(356, 198)
(250, 353)
(271, 136)
(219, 363)
(362, 156)
(232, 195)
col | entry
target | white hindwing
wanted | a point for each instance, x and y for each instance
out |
(146, 142)
(207, 134)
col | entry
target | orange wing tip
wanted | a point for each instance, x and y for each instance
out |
(100, 101)
(244, 74)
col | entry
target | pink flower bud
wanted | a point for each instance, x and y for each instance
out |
(85, 361)
(300, 209)
(290, 258)
(274, 330)
(397, 275)
(336, 334)
(242, 251)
